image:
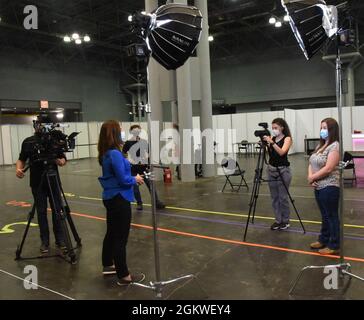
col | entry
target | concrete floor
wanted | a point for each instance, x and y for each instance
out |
(202, 235)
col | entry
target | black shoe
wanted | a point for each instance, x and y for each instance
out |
(136, 278)
(284, 226)
(44, 248)
(106, 271)
(160, 205)
(139, 207)
(275, 226)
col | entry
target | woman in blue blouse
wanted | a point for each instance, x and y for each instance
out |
(117, 183)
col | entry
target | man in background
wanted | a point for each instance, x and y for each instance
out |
(137, 151)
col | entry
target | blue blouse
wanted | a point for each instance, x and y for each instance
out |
(116, 176)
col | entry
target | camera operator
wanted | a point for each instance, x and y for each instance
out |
(278, 170)
(136, 149)
(41, 191)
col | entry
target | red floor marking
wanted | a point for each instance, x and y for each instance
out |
(248, 244)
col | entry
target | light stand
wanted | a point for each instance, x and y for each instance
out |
(146, 25)
(329, 17)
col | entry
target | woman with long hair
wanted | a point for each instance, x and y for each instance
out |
(324, 177)
(117, 183)
(279, 172)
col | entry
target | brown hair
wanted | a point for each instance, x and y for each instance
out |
(135, 126)
(334, 133)
(110, 138)
(283, 123)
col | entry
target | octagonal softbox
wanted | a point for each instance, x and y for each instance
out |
(174, 33)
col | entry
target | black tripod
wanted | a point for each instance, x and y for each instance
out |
(61, 210)
(258, 179)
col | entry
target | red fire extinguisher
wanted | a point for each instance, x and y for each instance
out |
(167, 175)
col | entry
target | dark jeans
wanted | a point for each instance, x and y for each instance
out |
(328, 202)
(118, 219)
(41, 195)
(138, 196)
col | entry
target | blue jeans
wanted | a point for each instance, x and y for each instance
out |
(328, 202)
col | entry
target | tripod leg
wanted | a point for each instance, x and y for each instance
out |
(20, 247)
(59, 211)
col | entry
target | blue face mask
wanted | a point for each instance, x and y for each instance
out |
(324, 134)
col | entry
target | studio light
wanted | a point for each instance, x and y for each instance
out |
(78, 41)
(286, 18)
(278, 24)
(171, 33)
(67, 39)
(86, 38)
(130, 18)
(211, 38)
(75, 36)
(312, 22)
(272, 20)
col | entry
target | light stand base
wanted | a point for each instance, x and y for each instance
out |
(158, 287)
(343, 268)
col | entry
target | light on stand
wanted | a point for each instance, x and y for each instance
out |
(171, 34)
(313, 24)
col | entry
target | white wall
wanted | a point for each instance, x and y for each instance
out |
(303, 124)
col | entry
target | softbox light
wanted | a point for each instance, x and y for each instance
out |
(172, 33)
(312, 22)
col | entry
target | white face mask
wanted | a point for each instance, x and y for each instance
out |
(123, 136)
(136, 132)
(276, 132)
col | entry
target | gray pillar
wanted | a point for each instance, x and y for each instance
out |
(203, 52)
(350, 96)
(184, 97)
(155, 98)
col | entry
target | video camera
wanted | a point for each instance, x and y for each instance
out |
(51, 142)
(262, 133)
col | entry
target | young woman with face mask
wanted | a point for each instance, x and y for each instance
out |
(279, 167)
(324, 177)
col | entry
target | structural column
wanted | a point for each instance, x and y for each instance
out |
(203, 51)
(350, 95)
(155, 98)
(184, 97)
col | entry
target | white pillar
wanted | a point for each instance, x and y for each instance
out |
(203, 52)
(184, 97)
(350, 96)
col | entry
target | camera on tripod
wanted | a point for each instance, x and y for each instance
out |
(51, 141)
(261, 133)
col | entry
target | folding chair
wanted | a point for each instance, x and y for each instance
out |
(243, 146)
(232, 169)
(350, 166)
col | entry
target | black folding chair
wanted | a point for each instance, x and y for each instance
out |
(243, 146)
(232, 169)
(350, 166)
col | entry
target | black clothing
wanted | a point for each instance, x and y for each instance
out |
(118, 217)
(28, 152)
(137, 152)
(275, 159)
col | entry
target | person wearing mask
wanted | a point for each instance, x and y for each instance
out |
(117, 183)
(136, 149)
(279, 172)
(324, 177)
(39, 187)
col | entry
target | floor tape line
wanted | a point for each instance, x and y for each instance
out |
(237, 242)
(39, 286)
